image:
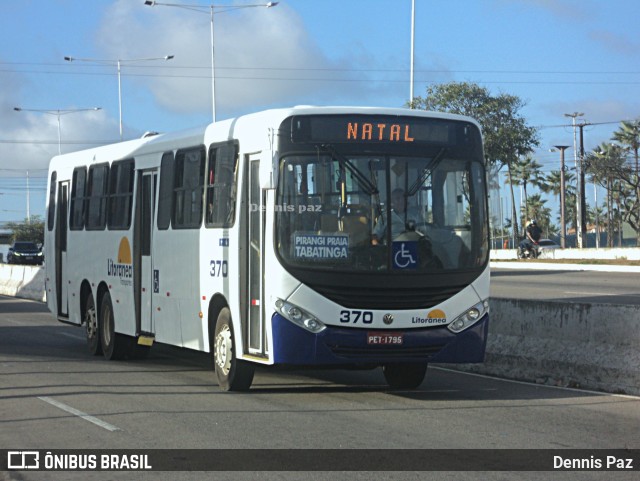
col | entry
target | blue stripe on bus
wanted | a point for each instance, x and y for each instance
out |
(294, 345)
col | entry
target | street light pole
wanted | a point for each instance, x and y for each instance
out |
(563, 222)
(213, 71)
(118, 63)
(58, 113)
(413, 36)
(579, 205)
(211, 8)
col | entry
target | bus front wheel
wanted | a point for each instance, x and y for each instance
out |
(404, 376)
(91, 326)
(232, 373)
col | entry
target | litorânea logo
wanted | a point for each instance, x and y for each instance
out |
(435, 316)
(122, 268)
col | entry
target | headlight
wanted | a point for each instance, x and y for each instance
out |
(470, 317)
(299, 316)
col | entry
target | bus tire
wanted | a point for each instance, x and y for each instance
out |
(232, 373)
(404, 376)
(114, 346)
(92, 326)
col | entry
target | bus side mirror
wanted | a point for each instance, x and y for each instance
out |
(268, 169)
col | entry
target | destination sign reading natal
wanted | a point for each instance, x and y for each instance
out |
(379, 131)
(385, 129)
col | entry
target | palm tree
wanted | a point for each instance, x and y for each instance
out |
(603, 164)
(571, 213)
(629, 136)
(553, 184)
(536, 209)
(594, 215)
(527, 171)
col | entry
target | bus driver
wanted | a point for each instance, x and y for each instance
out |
(399, 218)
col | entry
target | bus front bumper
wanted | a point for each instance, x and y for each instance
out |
(294, 345)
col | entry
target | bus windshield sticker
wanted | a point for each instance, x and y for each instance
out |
(405, 255)
(310, 246)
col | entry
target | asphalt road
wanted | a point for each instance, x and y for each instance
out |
(567, 286)
(55, 396)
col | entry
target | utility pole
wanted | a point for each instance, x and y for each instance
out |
(563, 221)
(583, 203)
(578, 165)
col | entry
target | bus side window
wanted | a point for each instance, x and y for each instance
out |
(96, 212)
(51, 214)
(78, 198)
(120, 194)
(188, 186)
(221, 185)
(165, 200)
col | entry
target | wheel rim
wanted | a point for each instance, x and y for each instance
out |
(224, 352)
(91, 322)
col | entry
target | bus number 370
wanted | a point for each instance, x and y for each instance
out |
(219, 268)
(366, 317)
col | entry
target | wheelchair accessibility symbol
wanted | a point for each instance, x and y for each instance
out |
(405, 255)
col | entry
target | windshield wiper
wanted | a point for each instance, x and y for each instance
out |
(426, 172)
(365, 183)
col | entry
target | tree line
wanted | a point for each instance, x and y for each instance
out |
(509, 141)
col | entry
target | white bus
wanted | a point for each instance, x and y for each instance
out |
(265, 239)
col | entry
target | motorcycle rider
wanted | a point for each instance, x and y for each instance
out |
(532, 235)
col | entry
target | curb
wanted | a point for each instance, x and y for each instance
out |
(563, 267)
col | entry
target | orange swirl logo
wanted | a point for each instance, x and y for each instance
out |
(437, 315)
(122, 267)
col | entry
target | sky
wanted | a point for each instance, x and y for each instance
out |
(558, 56)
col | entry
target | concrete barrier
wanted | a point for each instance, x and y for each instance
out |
(591, 346)
(22, 281)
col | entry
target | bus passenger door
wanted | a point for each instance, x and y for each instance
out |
(143, 260)
(62, 274)
(255, 336)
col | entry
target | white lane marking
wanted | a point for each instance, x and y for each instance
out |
(72, 336)
(76, 412)
(586, 293)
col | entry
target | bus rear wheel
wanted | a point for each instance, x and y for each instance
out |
(404, 376)
(232, 373)
(114, 346)
(91, 326)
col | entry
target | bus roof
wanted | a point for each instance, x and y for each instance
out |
(225, 130)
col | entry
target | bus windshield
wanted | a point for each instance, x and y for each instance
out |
(341, 210)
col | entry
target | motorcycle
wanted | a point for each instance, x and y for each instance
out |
(529, 252)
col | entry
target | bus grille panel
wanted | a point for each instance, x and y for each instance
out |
(387, 297)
